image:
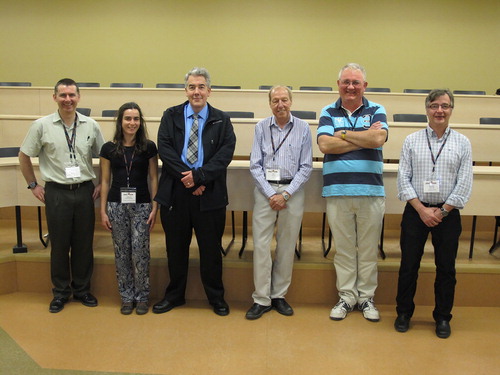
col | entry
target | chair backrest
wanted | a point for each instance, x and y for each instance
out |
(268, 87)
(15, 83)
(409, 117)
(126, 85)
(377, 89)
(226, 87)
(304, 115)
(109, 113)
(417, 91)
(170, 85)
(84, 111)
(8, 152)
(316, 88)
(469, 92)
(89, 84)
(489, 120)
(240, 114)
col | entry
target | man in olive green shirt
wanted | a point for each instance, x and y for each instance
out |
(64, 142)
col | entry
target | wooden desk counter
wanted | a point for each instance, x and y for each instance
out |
(484, 138)
(240, 184)
(38, 101)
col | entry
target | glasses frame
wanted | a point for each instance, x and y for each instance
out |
(348, 83)
(444, 106)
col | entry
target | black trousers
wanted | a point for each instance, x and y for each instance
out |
(445, 238)
(178, 222)
(70, 220)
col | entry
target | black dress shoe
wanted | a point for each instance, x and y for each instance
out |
(164, 306)
(282, 306)
(221, 308)
(443, 329)
(57, 304)
(256, 311)
(87, 299)
(402, 323)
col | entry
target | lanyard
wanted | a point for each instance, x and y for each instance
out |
(71, 141)
(128, 167)
(434, 159)
(353, 126)
(275, 150)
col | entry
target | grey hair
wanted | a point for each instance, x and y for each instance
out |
(436, 93)
(280, 87)
(353, 66)
(197, 72)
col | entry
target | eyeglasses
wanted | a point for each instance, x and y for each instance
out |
(346, 82)
(444, 106)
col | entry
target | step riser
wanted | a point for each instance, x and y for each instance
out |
(309, 285)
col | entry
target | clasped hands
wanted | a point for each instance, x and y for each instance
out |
(277, 202)
(188, 181)
(431, 216)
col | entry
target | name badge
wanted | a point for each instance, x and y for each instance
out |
(128, 194)
(431, 186)
(73, 171)
(273, 174)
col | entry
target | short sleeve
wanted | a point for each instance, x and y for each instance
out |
(106, 150)
(151, 149)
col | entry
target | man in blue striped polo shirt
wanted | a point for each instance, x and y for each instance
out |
(351, 133)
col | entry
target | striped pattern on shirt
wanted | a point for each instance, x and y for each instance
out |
(354, 173)
(293, 158)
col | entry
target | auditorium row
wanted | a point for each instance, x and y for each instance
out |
(38, 101)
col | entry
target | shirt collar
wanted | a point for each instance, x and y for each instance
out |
(273, 121)
(202, 114)
(58, 119)
(338, 104)
(433, 133)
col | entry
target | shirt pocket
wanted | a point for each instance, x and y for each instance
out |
(84, 145)
(293, 155)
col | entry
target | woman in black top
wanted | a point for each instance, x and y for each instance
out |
(127, 207)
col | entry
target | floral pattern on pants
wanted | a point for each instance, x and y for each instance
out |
(131, 241)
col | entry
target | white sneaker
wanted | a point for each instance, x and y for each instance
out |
(370, 311)
(340, 310)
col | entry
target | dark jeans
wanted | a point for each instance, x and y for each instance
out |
(445, 238)
(70, 220)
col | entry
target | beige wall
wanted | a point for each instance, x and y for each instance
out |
(402, 44)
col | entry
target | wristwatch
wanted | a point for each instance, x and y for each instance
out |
(343, 133)
(286, 196)
(444, 213)
(32, 185)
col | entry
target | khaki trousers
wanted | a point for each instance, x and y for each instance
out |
(356, 224)
(273, 277)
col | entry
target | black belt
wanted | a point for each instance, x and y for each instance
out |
(68, 186)
(280, 182)
(433, 205)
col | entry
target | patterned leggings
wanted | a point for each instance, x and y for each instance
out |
(131, 241)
